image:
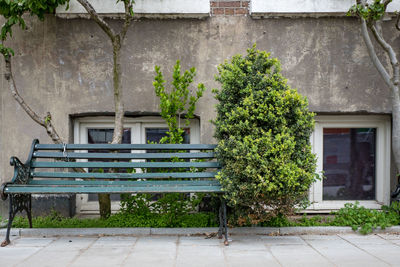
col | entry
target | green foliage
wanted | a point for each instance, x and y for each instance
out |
(170, 209)
(365, 220)
(370, 12)
(178, 102)
(129, 3)
(120, 220)
(170, 206)
(174, 104)
(358, 217)
(13, 11)
(263, 129)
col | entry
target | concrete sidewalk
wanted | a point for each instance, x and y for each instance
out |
(244, 250)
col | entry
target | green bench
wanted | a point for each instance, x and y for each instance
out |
(53, 169)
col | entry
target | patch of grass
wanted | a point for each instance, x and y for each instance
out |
(121, 220)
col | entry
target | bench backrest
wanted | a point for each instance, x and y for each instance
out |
(129, 161)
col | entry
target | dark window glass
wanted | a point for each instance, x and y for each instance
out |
(104, 136)
(155, 135)
(349, 156)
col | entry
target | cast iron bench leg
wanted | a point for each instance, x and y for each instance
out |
(19, 202)
(225, 223)
(221, 221)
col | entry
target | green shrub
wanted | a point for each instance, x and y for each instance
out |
(263, 129)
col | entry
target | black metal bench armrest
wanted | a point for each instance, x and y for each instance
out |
(21, 171)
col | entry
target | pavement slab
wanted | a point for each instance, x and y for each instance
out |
(49, 257)
(242, 258)
(343, 252)
(12, 255)
(114, 241)
(200, 256)
(101, 256)
(283, 240)
(298, 255)
(33, 242)
(182, 250)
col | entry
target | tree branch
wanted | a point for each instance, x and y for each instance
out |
(128, 19)
(386, 3)
(14, 91)
(397, 21)
(100, 21)
(44, 122)
(389, 50)
(371, 51)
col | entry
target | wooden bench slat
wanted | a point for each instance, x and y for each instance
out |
(97, 175)
(46, 164)
(120, 183)
(11, 189)
(73, 155)
(125, 146)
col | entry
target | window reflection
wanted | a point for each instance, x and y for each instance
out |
(349, 163)
(155, 135)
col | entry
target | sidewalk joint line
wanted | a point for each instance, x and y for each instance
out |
(355, 245)
(178, 240)
(268, 247)
(130, 251)
(309, 244)
(81, 251)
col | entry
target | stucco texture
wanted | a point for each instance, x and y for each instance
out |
(64, 66)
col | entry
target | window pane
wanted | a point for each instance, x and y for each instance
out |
(349, 156)
(104, 136)
(155, 134)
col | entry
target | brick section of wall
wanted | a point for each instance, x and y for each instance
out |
(229, 7)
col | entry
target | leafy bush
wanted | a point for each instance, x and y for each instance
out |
(365, 220)
(263, 129)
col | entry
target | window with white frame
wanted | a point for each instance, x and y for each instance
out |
(353, 156)
(92, 130)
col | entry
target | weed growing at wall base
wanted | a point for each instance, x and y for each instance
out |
(365, 220)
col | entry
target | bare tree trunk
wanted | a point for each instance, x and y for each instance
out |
(391, 81)
(396, 126)
(118, 103)
(116, 41)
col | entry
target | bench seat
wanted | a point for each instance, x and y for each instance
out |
(87, 187)
(112, 168)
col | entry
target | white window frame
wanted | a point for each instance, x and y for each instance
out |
(383, 152)
(138, 136)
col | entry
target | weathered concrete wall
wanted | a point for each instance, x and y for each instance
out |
(64, 66)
